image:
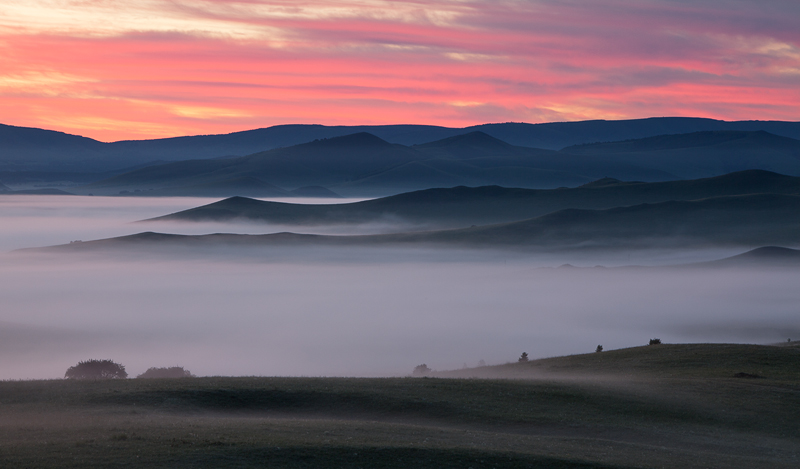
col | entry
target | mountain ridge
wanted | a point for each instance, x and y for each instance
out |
(30, 149)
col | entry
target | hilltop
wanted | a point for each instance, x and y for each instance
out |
(691, 361)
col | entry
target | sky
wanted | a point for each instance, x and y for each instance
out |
(133, 69)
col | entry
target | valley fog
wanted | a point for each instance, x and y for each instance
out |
(347, 312)
(42, 220)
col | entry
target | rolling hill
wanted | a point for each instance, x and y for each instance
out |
(364, 165)
(741, 220)
(744, 220)
(702, 154)
(688, 361)
(465, 206)
(43, 155)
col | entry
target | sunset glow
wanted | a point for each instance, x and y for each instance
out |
(121, 69)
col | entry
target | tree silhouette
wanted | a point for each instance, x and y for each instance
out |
(421, 370)
(523, 357)
(96, 369)
(599, 349)
(655, 342)
(171, 372)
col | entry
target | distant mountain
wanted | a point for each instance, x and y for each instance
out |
(465, 206)
(730, 221)
(365, 165)
(323, 163)
(557, 135)
(27, 149)
(30, 149)
(702, 154)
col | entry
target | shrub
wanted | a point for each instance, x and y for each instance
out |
(171, 372)
(421, 370)
(599, 349)
(523, 357)
(654, 342)
(96, 369)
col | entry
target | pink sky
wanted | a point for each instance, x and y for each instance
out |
(124, 69)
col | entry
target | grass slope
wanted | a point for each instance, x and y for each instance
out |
(685, 361)
(657, 406)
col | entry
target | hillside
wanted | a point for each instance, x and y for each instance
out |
(318, 163)
(363, 165)
(744, 220)
(698, 361)
(31, 156)
(759, 219)
(30, 149)
(465, 206)
(644, 407)
(702, 154)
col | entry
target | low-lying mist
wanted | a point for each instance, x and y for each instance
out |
(42, 220)
(365, 319)
(350, 312)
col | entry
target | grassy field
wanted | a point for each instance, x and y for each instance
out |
(653, 406)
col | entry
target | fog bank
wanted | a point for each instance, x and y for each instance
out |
(348, 312)
(362, 319)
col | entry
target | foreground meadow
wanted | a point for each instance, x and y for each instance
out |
(652, 406)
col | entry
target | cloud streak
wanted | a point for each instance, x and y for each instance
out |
(121, 69)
